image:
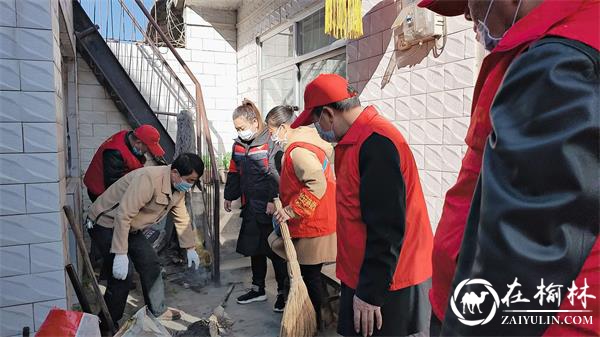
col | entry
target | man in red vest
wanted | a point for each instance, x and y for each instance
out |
(122, 153)
(384, 234)
(533, 219)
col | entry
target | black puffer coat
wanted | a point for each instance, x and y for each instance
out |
(253, 178)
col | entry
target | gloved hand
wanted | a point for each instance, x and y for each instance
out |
(192, 256)
(120, 266)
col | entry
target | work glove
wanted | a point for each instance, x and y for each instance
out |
(120, 266)
(192, 257)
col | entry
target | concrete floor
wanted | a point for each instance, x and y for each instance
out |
(255, 319)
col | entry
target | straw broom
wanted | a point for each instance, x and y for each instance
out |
(299, 318)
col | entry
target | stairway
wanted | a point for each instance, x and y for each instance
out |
(110, 73)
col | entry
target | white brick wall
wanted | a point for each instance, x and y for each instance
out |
(429, 103)
(32, 178)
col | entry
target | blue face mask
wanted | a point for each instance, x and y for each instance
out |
(136, 151)
(488, 41)
(183, 186)
(328, 136)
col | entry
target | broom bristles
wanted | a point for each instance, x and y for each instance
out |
(299, 317)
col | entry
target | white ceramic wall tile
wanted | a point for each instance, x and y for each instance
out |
(402, 83)
(386, 108)
(455, 47)
(435, 105)
(43, 198)
(40, 137)
(452, 158)
(417, 132)
(432, 183)
(471, 44)
(435, 78)
(418, 152)
(432, 210)
(9, 13)
(37, 75)
(9, 75)
(41, 310)
(9, 42)
(12, 199)
(448, 180)
(11, 137)
(15, 318)
(433, 157)
(403, 109)
(35, 44)
(47, 257)
(14, 261)
(34, 14)
(459, 74)
(418, 106)
(455, 130)
(453, 102)
(404, 128)
(433, 131)
(371, 92)
(458, 23)
(418, 81)
(31, 228)
(467, 101)
(28, 168)
(32, 288)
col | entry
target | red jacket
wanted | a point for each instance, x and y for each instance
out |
(94, 176)
(316, 216)
(559, 18)
(414, 262)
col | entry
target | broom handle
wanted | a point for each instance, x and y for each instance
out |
(290, 250)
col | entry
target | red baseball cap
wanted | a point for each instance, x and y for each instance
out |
(325, 89)
(151, 138)
(445, 7)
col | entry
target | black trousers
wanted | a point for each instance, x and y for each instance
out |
(259, 270)
(311, 274)
(435, 327)
(405, 312)
(141, 256)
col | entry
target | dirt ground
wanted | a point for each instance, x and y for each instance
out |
(255, 319)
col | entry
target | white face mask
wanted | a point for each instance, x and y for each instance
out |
(484, 36)
(246, 135)
(275, 138)
(326, 135)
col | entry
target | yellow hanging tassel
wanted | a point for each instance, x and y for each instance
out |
(343, 19)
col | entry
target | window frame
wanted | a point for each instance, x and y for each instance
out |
(336, 48)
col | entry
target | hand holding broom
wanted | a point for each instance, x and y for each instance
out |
(299, 318)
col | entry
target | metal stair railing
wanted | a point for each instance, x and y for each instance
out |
(125, 30)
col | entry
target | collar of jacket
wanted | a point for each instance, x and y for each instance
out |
(541, 19)
(260, 139)
(351, 136)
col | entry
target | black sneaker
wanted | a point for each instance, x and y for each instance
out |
(253, 295)
(279, 303)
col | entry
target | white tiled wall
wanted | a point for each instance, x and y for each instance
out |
(31, 164)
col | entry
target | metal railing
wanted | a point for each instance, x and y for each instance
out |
(165, 85)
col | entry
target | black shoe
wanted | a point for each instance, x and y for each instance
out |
(279, 303)
(253, 295)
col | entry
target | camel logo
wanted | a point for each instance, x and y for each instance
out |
(471, 302)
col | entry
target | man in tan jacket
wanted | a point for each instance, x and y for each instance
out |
(118, 217)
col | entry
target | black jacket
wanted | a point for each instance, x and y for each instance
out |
(253, 177)
(114, 165)
(535, 212)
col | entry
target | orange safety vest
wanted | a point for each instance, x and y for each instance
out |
(317, 217)
(94, 176)
(414, 261)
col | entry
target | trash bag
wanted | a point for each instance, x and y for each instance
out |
(67, 323)
(142, 324)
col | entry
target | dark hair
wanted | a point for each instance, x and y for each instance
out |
(249, 111)
(281, 114)
(186, 163)
(342, 105)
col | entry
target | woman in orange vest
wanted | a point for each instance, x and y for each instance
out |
(307, 192)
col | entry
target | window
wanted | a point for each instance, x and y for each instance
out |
(293, 56)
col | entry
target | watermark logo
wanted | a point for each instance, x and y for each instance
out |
(471, 302)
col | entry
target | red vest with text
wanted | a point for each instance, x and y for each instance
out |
(94, 176)
(317, 217)
(570, 19)
(414, 262)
